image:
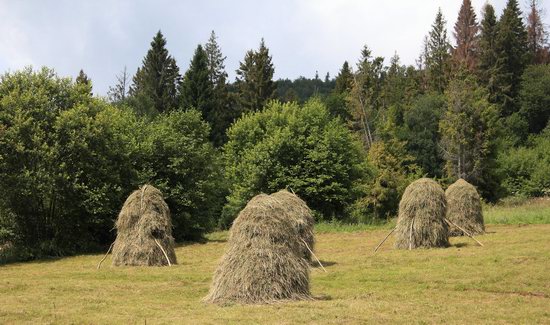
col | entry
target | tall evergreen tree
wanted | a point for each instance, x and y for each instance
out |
(512, 57)
(468, 129)
(196, 89)
(255, 79)
(465, 54)
(223, 112)
(487, 51)
(85, 82)
(537, 35)
(344, 79)
(156, 80)
(437, 55)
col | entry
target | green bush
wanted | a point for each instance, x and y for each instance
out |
(303, 148)
(526, 170)
(62, 164)
(183, 164)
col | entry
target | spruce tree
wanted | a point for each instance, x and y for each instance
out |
(437, 56)
(196, 90)
(85, 82)
(155, 82)
(487, 51)
(223, 113)
(465, 54)
(512, 57)
(255, 79)
(537, 35)
(344, 79)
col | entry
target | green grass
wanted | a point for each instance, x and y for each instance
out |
(533, 211)
(506, 281)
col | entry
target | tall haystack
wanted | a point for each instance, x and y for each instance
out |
(464, 209)
(144, 230)
(263, 262)
(301, 217)
(421, 221)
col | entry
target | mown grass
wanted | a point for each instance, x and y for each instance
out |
(506, 281)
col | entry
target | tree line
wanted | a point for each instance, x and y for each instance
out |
(477, 109)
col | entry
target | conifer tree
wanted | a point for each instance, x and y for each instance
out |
(223, 112)
(196, 89)
(344, 79)
(83, 80)
(537, 35)
(465, 54)
(487, 51)
(512, 57)
(156, 80)
(437, 55)
(255, 79)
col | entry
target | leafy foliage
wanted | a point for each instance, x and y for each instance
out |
(303, 148)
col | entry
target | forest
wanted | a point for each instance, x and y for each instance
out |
(475, 106)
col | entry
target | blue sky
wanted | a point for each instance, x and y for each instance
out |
(304, 36)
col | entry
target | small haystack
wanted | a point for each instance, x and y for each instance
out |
(464, 209)
(421, 221)
(263, 262)
(301, 216)
(144, 231)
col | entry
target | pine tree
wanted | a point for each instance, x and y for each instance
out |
(223, 113)
(537, 35)
(83, 80)
(465, 54)
(157, 79)
(487, 51)
(437, 56)
(196, 89)
(117, 93)
(344, 79)
(512, 57)
(255, 79)
(468, 129)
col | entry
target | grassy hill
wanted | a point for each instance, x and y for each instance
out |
(507, 281)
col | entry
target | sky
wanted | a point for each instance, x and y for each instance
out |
(304, 36)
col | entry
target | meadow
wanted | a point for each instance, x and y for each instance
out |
(506, 281)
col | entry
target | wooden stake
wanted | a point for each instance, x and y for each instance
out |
(463, 230)
(411, 235)
(313, 254)
(388, 235)
(162, 249)
(104, 257)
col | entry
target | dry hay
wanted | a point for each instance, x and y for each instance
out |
(143, 222)
(464, 208)
(301, 217)
(263, 261)
(421, 221)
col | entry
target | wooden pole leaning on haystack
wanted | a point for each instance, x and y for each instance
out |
(313, 254)
(463, 230)
(383, 240)
(104, 257)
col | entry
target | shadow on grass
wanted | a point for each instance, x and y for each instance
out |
(325, 263)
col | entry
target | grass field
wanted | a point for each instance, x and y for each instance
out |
(507, 281)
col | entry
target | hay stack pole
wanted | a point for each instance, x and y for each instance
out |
(421, 220)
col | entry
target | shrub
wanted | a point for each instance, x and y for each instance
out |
(179, 160)
(288, 146)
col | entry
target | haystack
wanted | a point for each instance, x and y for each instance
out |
(421, 221)
(464, 209)
(301, 217)
(144, 230)
(263, 262)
